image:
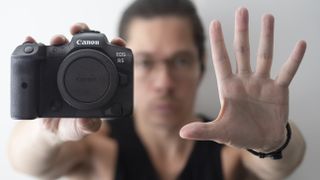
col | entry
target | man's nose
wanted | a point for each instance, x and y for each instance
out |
(164, 80)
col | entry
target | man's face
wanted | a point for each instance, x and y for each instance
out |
(166, 69)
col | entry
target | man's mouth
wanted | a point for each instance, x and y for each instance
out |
(164, 108)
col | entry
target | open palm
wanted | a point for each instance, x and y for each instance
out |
(254, 107)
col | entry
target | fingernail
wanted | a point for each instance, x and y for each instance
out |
(216, 24)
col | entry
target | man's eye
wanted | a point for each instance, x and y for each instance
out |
(145, 63)
(182, 62)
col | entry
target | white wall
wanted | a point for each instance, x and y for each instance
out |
(294, 20)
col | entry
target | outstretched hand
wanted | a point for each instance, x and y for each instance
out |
(254, 107)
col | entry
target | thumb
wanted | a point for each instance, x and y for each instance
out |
(89, 126)
(202, 131)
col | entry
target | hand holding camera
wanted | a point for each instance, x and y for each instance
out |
(84, 80)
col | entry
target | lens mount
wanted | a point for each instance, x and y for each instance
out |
(87, 79)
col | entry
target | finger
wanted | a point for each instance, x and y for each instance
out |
(219, 53)
(29, 39)
(241, 41)
(290, 67)
(58, 40)
(201, 131)
(119, 42)
(89, 126)
(265, 50)
(78, 27)
(50, 124)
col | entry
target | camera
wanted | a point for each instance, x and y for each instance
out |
(88, 77)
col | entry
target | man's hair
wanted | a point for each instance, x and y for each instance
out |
(154, 8)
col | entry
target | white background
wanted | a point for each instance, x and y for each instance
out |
(295, 20)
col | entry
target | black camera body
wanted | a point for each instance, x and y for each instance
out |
(88, 77)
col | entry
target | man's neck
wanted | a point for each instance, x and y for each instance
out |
(169, 153)
(161, 138)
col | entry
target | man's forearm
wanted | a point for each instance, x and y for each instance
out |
(31, 148)
(277, 169)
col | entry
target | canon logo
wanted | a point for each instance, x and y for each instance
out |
(87, 42)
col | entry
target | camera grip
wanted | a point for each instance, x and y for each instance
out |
(25, 67)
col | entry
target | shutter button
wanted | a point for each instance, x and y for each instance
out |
(28, 49)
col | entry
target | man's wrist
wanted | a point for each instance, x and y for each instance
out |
(277, 154)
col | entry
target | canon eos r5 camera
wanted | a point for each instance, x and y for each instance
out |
(88, 77)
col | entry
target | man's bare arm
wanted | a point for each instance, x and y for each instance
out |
(39, 152)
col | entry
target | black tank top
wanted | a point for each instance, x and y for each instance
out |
(133, 162)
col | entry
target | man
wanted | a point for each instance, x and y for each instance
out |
(167, 40)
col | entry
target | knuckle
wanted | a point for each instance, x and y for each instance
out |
(242, 49)
(265, 55)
